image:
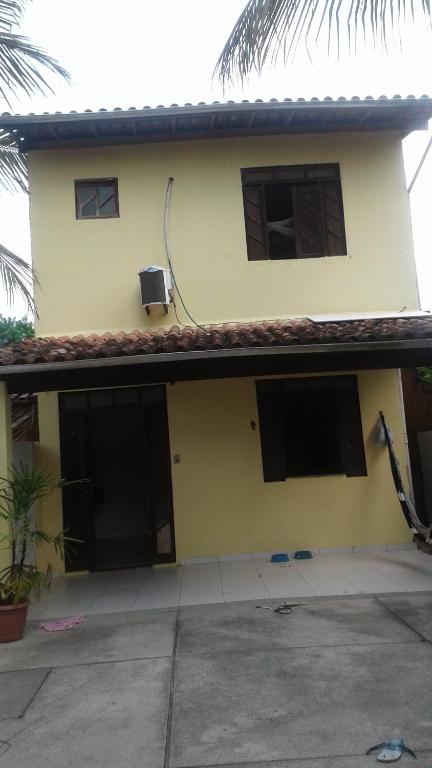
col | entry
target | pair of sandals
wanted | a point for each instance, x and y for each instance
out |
(390, 751)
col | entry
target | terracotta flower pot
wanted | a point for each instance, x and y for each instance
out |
(12, 622)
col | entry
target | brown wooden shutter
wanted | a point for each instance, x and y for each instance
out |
(351, 434)
(334, 227)
(307, 221)
(271, 431)
(256, 236)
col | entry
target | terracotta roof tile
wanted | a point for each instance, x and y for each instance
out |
(266, 333)
(270, 333)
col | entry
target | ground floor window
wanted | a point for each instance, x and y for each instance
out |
(310, 426)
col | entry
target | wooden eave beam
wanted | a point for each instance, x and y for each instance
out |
(223, 363)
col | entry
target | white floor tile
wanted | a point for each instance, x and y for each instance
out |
(335, 550)
(148, 601)
(64, 609)
(290, 591)
(334, 588)
(412, 581)
(375, 548)
(249, 577)
(204, 591)
(262, 555)
(114, 601)
(200, 600)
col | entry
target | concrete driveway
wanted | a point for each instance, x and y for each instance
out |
(222, 685)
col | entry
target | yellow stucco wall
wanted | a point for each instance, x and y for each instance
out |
(88, 269)
(47, 457)
(88, 274)
(221, 503)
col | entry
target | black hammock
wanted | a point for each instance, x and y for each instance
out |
(422, 533)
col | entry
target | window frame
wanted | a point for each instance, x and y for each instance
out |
(303, 175)
(274, 451)
(100, 182)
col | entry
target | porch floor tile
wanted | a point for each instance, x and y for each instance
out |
(235, 580)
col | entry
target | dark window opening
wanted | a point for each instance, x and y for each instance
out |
(310, 427)
(293, 212)
(280, 221)
(311, 434)
(96, 199)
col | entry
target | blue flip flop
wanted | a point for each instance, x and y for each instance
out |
(390, 751)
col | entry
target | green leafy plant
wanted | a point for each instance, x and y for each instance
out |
(425, 374)
(18, 494)
(13, 329)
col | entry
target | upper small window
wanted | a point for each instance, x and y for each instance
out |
(293, 212)
(96, 199)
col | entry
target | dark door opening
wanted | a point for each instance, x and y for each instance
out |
(117, 442)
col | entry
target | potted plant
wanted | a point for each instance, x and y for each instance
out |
(21, 578)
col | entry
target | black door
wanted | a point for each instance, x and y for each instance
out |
(118, 440)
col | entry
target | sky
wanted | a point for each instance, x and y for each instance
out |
(139, 52)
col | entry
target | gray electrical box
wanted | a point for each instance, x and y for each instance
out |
(156, 285)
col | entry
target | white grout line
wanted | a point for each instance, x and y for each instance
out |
(262, 579)
(221, 581)
(181, 585)
(309, 586)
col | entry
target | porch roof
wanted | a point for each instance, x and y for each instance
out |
(215, 351)
(217, 120)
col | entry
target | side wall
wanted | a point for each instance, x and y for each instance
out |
(47, 456)
(222, 505)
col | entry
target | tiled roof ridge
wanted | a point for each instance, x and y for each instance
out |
(229, 335)
(230, 102)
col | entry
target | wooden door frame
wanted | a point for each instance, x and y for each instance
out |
(91, 552)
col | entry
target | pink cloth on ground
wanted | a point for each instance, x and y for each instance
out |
(58, 625)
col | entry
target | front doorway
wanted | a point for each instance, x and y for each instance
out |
(116, 441)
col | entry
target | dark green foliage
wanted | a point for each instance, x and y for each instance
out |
(19, 495)
(13, 329)
(425, 375)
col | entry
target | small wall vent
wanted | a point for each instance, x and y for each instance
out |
(156, 286)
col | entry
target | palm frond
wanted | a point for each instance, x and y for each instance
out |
(22, 65)
(11, 12)
(13, 165)
(17, 277)
(267, 29)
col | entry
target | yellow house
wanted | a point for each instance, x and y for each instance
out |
(227, 294)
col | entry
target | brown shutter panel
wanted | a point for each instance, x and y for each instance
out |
(256, 236)
(271, 431)
(333, 218)
(307, 221)
(351, 434)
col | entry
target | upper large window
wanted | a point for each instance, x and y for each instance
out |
(96, 199)
(293, 212)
